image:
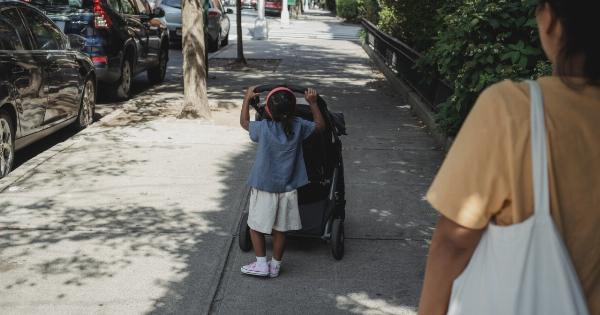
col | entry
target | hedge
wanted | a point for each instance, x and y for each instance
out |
(480, 43)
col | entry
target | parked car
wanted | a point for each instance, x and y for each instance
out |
(247, 4)
(217, 30)
(273, 7)
(123, 37)
(46, 82)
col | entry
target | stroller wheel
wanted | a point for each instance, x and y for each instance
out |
(244, 234)
(337, 239)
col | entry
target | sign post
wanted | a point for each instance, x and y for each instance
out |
(285, 13)
(261, 28)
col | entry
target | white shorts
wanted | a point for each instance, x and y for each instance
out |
(273, 211)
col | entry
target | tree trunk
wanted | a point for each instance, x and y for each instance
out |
(195, 65)
(240, 45)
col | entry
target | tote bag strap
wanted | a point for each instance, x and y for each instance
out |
(539, 153)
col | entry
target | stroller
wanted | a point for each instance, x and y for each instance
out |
(322, 201)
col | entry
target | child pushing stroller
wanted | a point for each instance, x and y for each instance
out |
(278, 171)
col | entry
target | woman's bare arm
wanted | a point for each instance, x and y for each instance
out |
(451, 248)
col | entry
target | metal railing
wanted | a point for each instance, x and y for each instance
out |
(401, 59)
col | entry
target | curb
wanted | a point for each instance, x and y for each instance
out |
(28, 168)
(218, 281)
(416, 104)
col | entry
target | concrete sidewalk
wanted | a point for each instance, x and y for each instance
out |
(138, 214)
(390, 161)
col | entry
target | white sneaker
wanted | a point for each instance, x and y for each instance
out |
(274, 269)
(256, 269)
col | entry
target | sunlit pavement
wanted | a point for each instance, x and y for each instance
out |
(138, 214)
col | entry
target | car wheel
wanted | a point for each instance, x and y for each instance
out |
(225, 41)
(158, 73)
(124, 85)
(7, 143)
(87, 106)
(213, 45)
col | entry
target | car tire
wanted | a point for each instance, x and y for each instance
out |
(7, 143)
(87, 105)
(213, 45)
(225, 41)
(124, 84)
(158, 73)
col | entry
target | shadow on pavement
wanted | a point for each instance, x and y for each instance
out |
(139, 215)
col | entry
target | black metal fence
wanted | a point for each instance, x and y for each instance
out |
(401, 59)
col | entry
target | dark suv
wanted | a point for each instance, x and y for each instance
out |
(123, 37)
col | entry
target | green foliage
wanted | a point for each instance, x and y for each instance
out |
(347, 9)
(412, 21)
(330, 5)
(481, 42)
(354, 10)
(368, 9)
(362, 34)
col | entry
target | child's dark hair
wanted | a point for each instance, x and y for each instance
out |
(281, 106)
(580, 22)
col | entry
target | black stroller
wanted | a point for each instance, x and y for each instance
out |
(322, 202)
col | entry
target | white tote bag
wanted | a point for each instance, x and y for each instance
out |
(522, 268)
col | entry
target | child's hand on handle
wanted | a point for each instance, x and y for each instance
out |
(245, 113)
(311, 96)
(250, 93)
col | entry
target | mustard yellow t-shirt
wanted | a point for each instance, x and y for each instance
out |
(487, 173)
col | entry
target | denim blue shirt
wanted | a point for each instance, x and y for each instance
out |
(279, 165)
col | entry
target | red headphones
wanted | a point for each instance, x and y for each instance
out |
(273, 91)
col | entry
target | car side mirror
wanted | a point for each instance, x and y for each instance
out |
(158, 12)
(76, 42)
(229, 11)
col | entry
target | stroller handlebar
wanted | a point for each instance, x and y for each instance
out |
(336, 121)
(269, 87)
(295, 88)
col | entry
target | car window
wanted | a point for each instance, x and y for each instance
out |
(10, 38)
(142, 9)
(45, 34)
(171, 3)
(74, 4)
(127, 7)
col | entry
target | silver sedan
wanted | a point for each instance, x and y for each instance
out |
(217, 30)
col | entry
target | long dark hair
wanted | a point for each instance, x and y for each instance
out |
(281, 106)
(580, 22)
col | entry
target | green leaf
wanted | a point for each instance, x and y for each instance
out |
(523, 61)
(494, 23)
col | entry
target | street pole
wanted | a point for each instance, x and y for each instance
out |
(261, 28)
(305, 5)
(285, 13)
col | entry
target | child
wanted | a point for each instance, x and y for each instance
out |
(277, 172)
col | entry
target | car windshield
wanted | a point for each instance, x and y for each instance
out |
(75, 4)
(172, 3)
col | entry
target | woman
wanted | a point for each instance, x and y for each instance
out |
(487, 173)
